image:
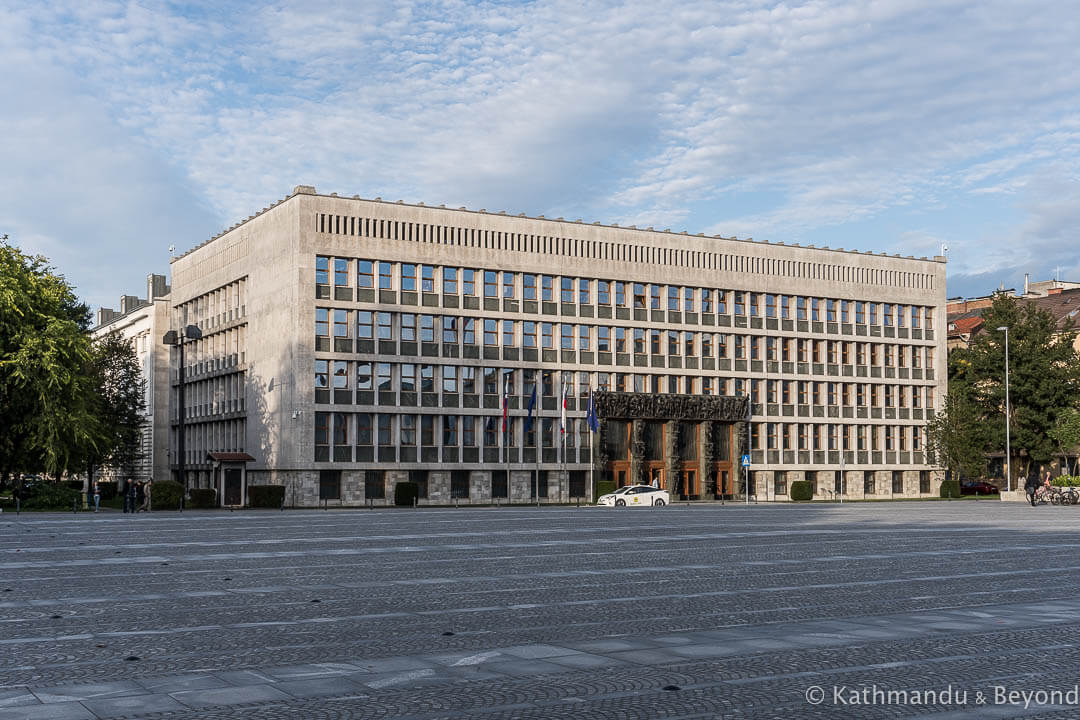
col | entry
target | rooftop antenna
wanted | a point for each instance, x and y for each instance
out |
(944, 249)
(171, 249)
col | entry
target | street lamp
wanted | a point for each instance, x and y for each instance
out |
(1008, 454)
(190, 332)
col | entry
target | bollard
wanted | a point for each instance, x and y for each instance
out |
(414, 501)
(18, 504)
(181, 503)
(75, 506)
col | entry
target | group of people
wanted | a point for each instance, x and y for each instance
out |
(1034, 487)
(136, 496)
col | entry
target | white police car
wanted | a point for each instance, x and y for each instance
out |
(635, 495)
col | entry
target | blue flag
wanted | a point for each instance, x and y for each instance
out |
(590, 416)
(532, 406)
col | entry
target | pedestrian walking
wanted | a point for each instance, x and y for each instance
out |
(146, 497)
(139, 495)
(97, 495)
(129, 496)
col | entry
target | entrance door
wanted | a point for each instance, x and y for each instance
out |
(656, 477)
(233, 492)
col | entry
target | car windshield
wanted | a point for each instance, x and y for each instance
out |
(623, 489)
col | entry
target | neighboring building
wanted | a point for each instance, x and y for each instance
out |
(966, 322)
(143, 322)
(350, 344)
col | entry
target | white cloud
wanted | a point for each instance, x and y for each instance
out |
(656, 113)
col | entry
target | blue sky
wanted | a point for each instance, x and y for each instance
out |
(886, 126)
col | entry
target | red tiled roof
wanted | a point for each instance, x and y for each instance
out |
(967, 324)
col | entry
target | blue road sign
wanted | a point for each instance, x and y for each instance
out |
(746, 461)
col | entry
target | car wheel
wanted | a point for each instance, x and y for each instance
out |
(620, 503)
(658, 502)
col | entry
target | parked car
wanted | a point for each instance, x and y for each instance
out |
(631, 495)
(974, 487)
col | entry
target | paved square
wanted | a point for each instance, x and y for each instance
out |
(559, 612)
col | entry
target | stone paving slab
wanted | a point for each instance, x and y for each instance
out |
(523, 613)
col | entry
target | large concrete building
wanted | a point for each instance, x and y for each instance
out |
(350, 344)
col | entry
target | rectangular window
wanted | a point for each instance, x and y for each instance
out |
(688, 299)
(654, 297)
(329, 484)
(740, 304)
(602, 295)
(508, 285)
(469, 331)
(322, 322)
(721, 302)
(770, 305)
(528, 334)
(567, 336)
(408, 277)
(468, 380)
(620, 293)
(322, 374)
(386, 275)
(567, 295)
(707, 301)
(583, 337)
(341, 324)
(603, 343)
(365, 275)
(468, 431)
(375, 484)
(386, 430)
(341, 272)
(639, 296)
(449, 379)
(427, 278)
(468, 282)
(547, 284)
(583, 291)
(427, 328)
(449, 282)
(364, 327)
(491, 286)
(382, 374)
(408, 377)
(672, 298)
(363, 375)
(528, 291)
(386, 329)
(508, 333)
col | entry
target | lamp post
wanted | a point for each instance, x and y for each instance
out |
(189, 332)
(1008, 454)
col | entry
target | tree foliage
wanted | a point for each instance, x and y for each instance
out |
(1044, 376)
(950, 440)
(120, 402)
(64, 401)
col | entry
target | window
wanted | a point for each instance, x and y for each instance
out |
(546, 286)
(844, 304)
(508, 333)
(408, 377)
(386, 330)
(603, 342)
(386, 430)
(528, 334)
(449, 282)
(427, 430)
(800, 308)
(567, 342)
(382, 372)
(363, 429)
(897, 482)
(830, 310)
(322, 268)
(341, 324)
(363, 324)
(780, 483)
(491, 381)
(322, 322)
(672, 298)
(365, 277)
(815, 309)
(459, 484)
(620, 293)
(654, 297)
(583, 291)
(468, 379)
(602, 295)
(740, 304)
(386, 274)
(322, 374)
(322, 436)
(583, 337)
(770, 305)
(721, 302)
(341, 374)
(654, 341)
(449, 379)
(639, 296)
(491, 435)
(408, 327)
(408, 277)
(468, 282)
(567, 294)
(528, 287)
(468, 431)
(707, 301)
(329, 484)
(363, 376)
(427, 378)
(688, 299)
(508, 285)
(547, 332)
(375, 484)
(408, 430)
(673, 342)
(449, 332)
(427, 328)
(491, 287)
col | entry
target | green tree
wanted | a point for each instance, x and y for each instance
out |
(1044, 376)
(950, 442)
(46, 393)
(120, 404)
(1066, 432)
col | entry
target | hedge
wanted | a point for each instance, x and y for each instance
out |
(50, 496)
(202, 498)
(405, 493)
(801, 490)
(1066, 481)
(603, 487)
(108, 490)
(950, 488)
(165, 495)
(266, 496)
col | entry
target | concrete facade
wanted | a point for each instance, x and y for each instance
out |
(345, 343)
(143, 322)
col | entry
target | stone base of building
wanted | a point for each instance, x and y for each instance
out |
(775, 485)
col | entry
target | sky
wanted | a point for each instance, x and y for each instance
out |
(888, 126)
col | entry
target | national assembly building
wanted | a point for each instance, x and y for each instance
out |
(339, 346)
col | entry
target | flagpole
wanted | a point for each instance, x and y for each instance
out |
(507, 429)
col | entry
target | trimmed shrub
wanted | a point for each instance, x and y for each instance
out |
(165, 495)
(265, 496)
(108, 490)
(801, 491)
(603, 487)
(202, 498)
(405, 493)
(1066, 481)
(50, 496)
(950, 488)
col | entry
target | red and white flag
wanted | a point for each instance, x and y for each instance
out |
(506, 400)
(562, 421)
